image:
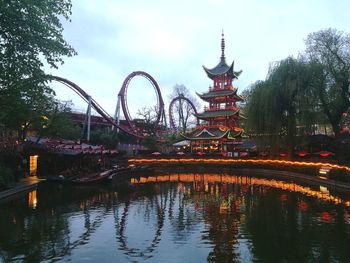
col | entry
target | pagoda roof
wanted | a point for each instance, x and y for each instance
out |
(222, 68)
(207, 133)
(217, 113)
(234, 134)
(220, 93)
(241, 116)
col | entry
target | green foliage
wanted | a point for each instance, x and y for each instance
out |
(170, 139)
(6, 176)
(31, 30)
(109, 139)
(275, 103)
(58, 123)
(300, 94)
(150, 142)
(24, 106)
(30, 35)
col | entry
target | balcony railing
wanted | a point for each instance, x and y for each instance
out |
(227, 87)
(223, 107)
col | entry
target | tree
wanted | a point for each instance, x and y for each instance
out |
(148, 115)
(246, 95)
(183, 112)
(58, 122)
(30, 36)
(275, 105)
(109, 139)
(24, 107)
(329, 53)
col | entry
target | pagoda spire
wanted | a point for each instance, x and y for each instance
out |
(222, 46)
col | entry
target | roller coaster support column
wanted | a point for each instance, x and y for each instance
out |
(89, 119)
(117, 113)
(164, 119)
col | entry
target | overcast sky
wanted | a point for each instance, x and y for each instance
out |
(171, 40)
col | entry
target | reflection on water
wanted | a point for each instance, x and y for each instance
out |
(32, 200)
(178, 217)
(322, 193)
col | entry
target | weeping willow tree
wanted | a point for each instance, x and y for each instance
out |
(303, 96)
(275, 106)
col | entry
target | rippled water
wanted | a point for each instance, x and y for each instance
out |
(177, 218)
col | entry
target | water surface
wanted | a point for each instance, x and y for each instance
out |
(177, 218)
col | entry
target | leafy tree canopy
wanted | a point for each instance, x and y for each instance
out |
(58, 123)
(30, 36)
(301, 95)
(30, 33)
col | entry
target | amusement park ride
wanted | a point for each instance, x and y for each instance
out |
(218, 132)
(160, 124)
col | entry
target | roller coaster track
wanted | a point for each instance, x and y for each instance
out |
(171, 109)
(123, 96)
(95, 105)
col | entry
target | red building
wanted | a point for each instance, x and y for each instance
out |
(219, 131)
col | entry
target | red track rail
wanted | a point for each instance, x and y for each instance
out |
(171, 105)
(95, 105)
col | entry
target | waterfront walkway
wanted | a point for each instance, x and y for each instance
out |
(24, 185)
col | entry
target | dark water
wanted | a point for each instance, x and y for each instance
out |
(177, 218)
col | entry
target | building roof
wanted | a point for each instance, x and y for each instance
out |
(204, 133)
(216, 113)
(220, 93)
(66, 147)
(241, 116)
(234, 134)
(181, 143)
(222, 67)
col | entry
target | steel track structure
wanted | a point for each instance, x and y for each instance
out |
(171, 109)
(95, 105)
(122, 100)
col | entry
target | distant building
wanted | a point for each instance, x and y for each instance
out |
(219, 132)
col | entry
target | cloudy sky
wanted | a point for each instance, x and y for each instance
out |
(171, 40)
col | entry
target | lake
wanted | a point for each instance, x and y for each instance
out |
(177, 217)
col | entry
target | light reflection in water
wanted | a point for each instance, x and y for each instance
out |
(323, 194)
(239, 161)
(32, 199)
(178, 217)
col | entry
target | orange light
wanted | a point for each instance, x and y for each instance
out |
(242, 180)
(233, 161)
(32, 199)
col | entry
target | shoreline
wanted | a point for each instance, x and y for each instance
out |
(235, 165)
(217, 165)
(25, 185)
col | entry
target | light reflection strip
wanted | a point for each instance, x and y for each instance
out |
(243, 180)
(235, 161)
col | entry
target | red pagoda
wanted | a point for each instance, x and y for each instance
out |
(219, 131)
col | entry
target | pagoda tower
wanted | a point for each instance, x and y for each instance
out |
(218, 132)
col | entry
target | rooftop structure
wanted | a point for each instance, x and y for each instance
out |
(218, 131)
